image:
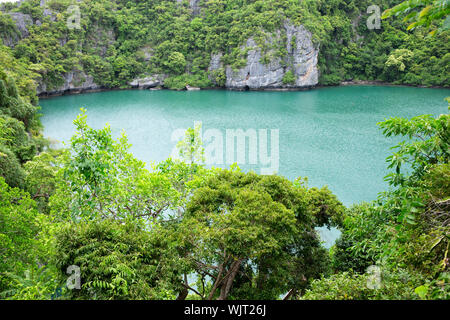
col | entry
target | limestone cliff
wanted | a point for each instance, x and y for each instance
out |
(301, 61)
(265, 67)
(74, 81)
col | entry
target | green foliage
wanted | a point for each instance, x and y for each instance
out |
(19, 135)
(100, 178)
(393, 54)
(429, 145)
(7, 26)
(10, 168)
(121, 40)
(176, 63)
(36, 283)
(422, 13)
(191, 147)
(180, 82)
(19, 227)
(180, 230)
(219, 77)
(289, 77)
(407, 227)
(225, 235)
(41, 177)
(117, 261)
(344, 258)
(353, 286)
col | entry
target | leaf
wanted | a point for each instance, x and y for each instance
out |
(421, 291)
(412, 26)
(424, 11)
(436, 243)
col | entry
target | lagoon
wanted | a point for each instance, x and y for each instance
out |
(329, 135)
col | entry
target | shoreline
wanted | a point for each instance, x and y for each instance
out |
(342, 84)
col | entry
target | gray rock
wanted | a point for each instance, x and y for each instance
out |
(303, 55)
(189, 88)
(22, 21)
(255, 75)
(74, 81)
(148, 82)
(215, 65)
(195, 6)
(301, 61)
(49, 13)
(216, 62)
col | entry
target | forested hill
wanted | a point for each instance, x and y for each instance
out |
(216, 43)
(95, 212)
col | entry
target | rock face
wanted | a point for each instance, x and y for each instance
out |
(148, 82)
(216, 62)
(99, 39)
(22, 21)
(75, 81)
(189, 88)
(301, 62)
(195, 6)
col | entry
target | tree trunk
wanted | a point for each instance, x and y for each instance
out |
(290, 294)
(182, 295)
(226, 286)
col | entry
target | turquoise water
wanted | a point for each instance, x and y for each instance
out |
(328, 134)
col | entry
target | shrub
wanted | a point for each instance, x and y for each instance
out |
(10, 168)
(353, 286)
(116, 260)
(289, 77)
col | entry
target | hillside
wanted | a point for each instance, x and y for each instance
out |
(233, 44)
(92, 221)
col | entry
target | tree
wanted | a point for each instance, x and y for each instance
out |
(397, 62)
(41, 177)
(19, 228)
(176, 63)
(191, 148)
(99, 178)
(117, 261)
(248, 236)
(422, 13)
(430, 145)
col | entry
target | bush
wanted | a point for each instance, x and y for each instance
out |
(289, 77)
(18, 232)
(116, 260)
(10, 168)
(352, 286)
(343, 259)
(180, 82)
(16, 138)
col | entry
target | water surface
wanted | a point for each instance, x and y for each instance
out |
(328, 134)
